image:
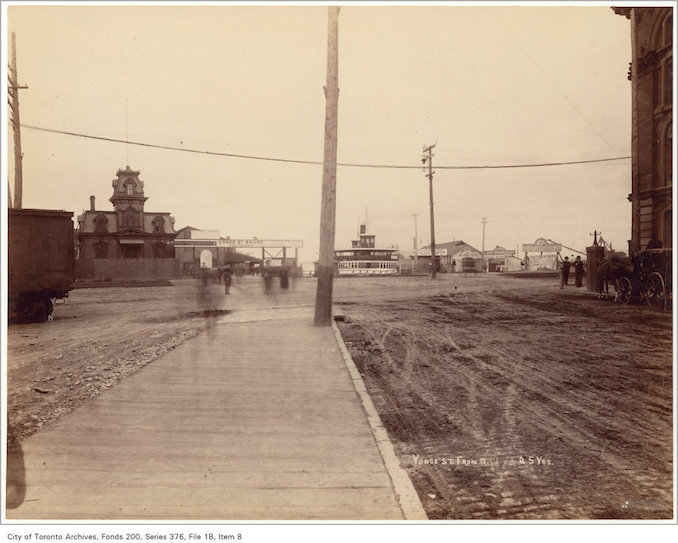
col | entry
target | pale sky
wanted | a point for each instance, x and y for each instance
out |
(500, 85)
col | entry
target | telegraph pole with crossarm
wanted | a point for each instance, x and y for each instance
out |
(13, 100)
(427, 159)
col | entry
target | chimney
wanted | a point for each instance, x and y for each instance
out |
(91, 203)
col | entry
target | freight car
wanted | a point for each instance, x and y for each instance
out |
(41, 262)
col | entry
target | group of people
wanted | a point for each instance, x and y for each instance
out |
(603, 269)
(606, 268)
(225, 276)
(578, 266)
(267, 274)
(224, 273)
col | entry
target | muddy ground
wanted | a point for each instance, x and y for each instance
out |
(504, 398)
(97, 337)
(528, 403)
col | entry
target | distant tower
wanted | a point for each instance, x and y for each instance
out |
(366, 240)
(128, 199)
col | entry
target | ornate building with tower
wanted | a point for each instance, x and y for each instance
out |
(129, 231)
(651, 76)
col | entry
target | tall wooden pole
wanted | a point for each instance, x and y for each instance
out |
(323, 298)
(482, 256)
(416, 238)
(428, 158)
(16, 124)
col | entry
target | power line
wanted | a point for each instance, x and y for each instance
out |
(167, 147)
(319, 163)
(560, 91)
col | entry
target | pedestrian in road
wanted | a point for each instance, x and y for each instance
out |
(578, 272)
(603, 278)
(204, 274)
(227, 279)
(267, 274)
(284, 278)
(564, 271)
(293, 277)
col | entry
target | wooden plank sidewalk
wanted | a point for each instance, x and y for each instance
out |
(251, 420)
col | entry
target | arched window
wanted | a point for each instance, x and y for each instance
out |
(100, 222)
(129, 188)
(662, 30)
(158, 225)
(130, 217)
(667, 34)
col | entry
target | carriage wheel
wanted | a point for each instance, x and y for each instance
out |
(624, 290)
(654, 290)
(31, 307)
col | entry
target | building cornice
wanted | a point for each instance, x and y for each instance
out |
(625, 12)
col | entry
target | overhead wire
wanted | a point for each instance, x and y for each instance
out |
(554, 84)
(318, 163)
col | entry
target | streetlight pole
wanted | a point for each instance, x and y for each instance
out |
(427, 158)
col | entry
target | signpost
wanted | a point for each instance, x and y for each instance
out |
(539, 247)
(427, 252)
(253, 243)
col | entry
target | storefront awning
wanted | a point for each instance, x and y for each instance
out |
(131, 241)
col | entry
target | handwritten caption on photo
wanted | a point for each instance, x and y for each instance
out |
(449, 460)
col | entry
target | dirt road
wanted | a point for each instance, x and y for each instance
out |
(97, 337)
(504, 398)
(527, 403)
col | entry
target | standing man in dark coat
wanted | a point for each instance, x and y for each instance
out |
(267, 274)
(604, 278)
(578, 272)
(564, 272)
(227, 278)
(284, 278)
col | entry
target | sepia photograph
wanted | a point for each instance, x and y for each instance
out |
(358, 264)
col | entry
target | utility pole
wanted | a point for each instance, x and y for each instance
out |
(323, 298)
(427, 158)
(482, 257)
(13, 100)
(416, 237)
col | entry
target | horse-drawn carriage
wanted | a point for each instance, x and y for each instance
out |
(645, 277)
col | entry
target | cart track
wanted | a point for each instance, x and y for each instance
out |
(512, 376)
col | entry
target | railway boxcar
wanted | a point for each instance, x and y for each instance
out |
(41, 262)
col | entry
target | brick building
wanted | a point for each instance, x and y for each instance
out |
(651, 76)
